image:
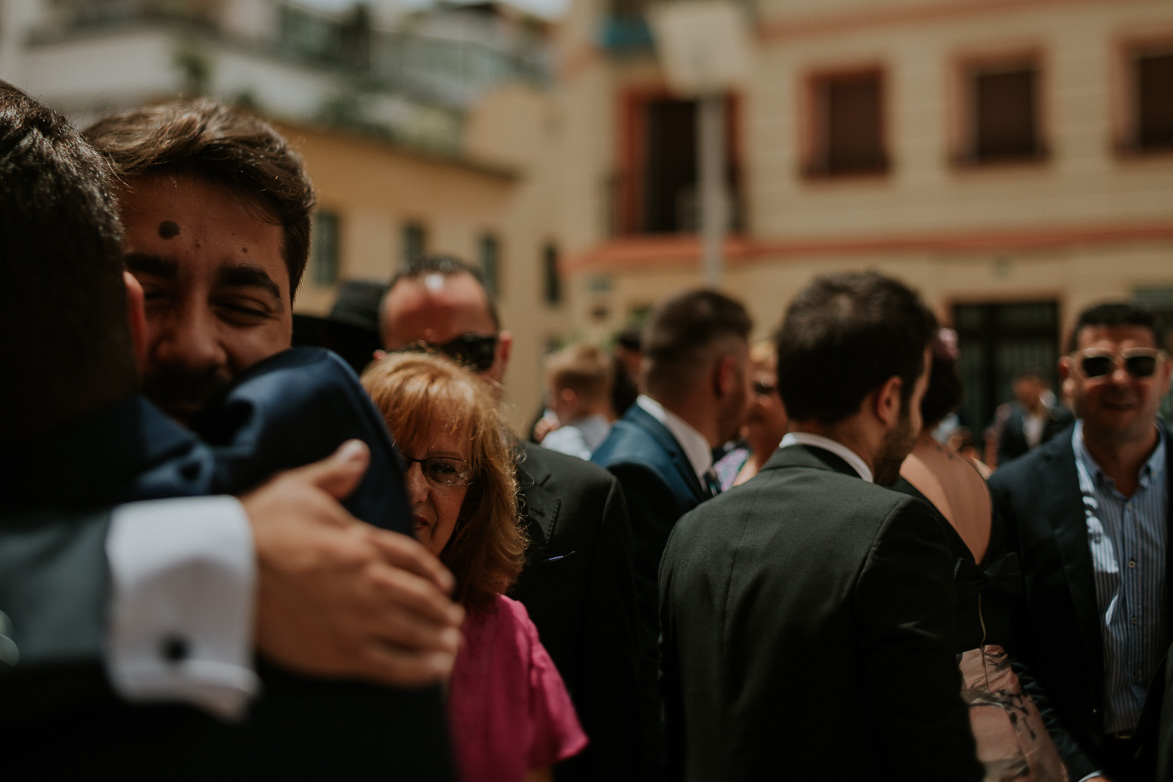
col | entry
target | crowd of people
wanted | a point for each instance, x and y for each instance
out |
(225, 556)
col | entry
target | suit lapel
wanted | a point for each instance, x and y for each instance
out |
(1169, 530)
(1065, 503)
(644, 420)
(541, 506)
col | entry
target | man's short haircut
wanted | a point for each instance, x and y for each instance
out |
(583, 368)
(208, 140)
(843, 336)
(445, 266)
(681, 332)
(1111, 314)
(62, 300)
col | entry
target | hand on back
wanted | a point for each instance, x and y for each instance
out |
(338, 597)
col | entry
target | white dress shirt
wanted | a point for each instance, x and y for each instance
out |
(834, 446)
(694, 444)
(183, 574)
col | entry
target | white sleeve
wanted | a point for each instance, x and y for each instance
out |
(182, 575)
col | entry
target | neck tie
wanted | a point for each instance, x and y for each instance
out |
(712, 482)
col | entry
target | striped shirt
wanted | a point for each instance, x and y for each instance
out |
(1127, 536)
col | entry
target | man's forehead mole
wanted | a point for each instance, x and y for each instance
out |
(168, 229)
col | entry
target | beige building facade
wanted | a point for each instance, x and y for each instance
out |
(380, 202)
(1012, 160)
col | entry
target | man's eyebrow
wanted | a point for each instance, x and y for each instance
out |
(143, 263)
(246, 275)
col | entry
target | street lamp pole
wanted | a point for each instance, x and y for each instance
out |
(704, 52)
(711, 167)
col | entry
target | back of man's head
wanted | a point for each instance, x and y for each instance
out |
(683, 334)
(1114, 314)
(208, 140)
(68, 345)
(844, 335)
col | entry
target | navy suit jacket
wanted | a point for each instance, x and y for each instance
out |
(660, 486)
(54, 586)
(1057, 626)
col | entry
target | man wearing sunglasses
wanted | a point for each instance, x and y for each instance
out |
(577, 583)
(1090, 510)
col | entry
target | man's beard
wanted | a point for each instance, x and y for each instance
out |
(896, 445)
(181, 394)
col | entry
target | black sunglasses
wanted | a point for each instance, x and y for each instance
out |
(444, 470)
(475, 352)
(1138, 362)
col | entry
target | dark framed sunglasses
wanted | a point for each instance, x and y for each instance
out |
(475, 352)
(444, 470)
(1138, 362)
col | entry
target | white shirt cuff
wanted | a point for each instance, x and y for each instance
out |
(183, 576)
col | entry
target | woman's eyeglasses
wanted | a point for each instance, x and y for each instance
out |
(444, 470)
(1138, 362)
(475, 352)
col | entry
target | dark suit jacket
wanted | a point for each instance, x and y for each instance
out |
(577, 587)
(54, 587)
(660, 486)
(1012, 436)
(808, 633)
(1057, 627)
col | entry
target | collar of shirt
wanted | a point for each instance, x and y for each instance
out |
(834, 446)
(695, 446)
(1151, 469)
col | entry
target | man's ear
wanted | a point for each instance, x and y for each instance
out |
(136, 316)
(724, 376)
(886, 400)
(504, 350)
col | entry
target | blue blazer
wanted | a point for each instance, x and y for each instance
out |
(54, 586)
(1057, 627)
(660, 486)
(295, 408)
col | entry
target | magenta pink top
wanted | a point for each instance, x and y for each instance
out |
(507, 706)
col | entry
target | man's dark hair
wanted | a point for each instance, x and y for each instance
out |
(206, 139)
(1114, 313)
(447, 266)
(679, 334)
(843, 336)
(63, 301)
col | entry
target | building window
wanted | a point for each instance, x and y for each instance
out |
(324, 252)
(656, 189)
(847, 125)
(415, 241)
(1152, 95)
(998, 341)
(1004, 116)
(490, 252)
(552, 278)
